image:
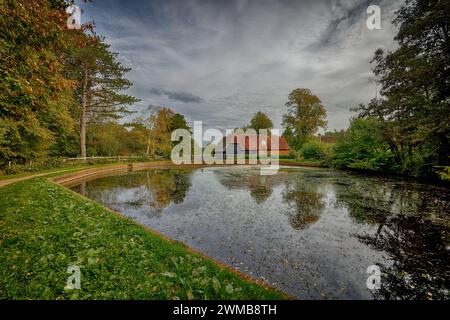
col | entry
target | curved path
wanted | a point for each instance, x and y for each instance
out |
(6, 182)
(86, 171)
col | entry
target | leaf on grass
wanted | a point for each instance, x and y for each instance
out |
(216, 285)
(168, 274)
(229, 289)
(93, 260)
(198, 271)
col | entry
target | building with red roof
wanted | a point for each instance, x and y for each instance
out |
(252, 144)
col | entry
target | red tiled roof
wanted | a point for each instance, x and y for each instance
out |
(251, 142)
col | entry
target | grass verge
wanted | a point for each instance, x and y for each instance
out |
(303, 162)
(44, 228)
(63, 170)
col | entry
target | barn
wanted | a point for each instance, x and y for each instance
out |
(245, 145)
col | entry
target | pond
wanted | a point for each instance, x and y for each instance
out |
(310, 232)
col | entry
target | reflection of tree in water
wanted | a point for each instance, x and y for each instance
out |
(420, 268)
(260, 187)
(155, 188)
(301, 192)
(167, 186)
(305, 200)
(374, 198)
(407, 232)
(260, 193)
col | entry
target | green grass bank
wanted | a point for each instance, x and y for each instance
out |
(44, 228)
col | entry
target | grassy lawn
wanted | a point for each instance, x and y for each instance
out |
(44, 228)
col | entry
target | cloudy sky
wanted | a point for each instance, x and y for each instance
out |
(222, 61)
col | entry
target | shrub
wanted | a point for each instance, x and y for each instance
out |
(314, 150)
(364, 148)
(444, 173)
(294, 154)
(34, 165)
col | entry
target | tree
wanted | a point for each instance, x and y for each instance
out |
(415, 87)
(161, 123)
(35, 97)
(305, 116)
(112, 139)
(288, 135)
(51, 78)
(159, 142)
(178, 121)
(100, 80)
(260, 121)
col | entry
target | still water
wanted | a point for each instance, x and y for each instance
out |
(310, 232)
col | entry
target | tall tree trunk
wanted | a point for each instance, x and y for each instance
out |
(148, 144)
(84, 103)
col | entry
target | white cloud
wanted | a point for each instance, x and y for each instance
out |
(240, 57)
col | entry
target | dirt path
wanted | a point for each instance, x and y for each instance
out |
(14, 180)
(82, 171)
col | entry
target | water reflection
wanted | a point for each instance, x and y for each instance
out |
(310, 232)
(306, 201)
(156, 189)
(420, 268)
(370, 196)
(411, 223)
(167, 186)
(260, 187)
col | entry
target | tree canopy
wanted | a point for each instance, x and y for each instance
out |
(260, 121)
(53, 81)
(35, 96)
(161, 123)
(305, 116)
(415, 87)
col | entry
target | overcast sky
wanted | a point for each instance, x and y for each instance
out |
(222, 61)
